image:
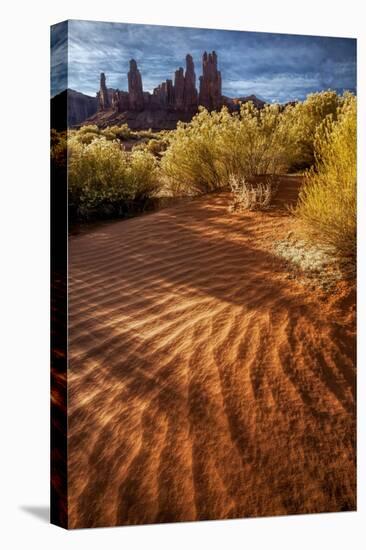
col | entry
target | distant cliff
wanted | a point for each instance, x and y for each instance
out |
(76, 106)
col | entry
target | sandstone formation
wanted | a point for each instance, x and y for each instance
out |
(104, 102)
(163, 95)
(178, 96)
(190, 98)
(179, 88)
(135, 92)
(210, 83)
(169, 102)
(121, 101)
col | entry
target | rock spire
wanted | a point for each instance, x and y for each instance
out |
(210, 83)
(103, 95)
(136, 95)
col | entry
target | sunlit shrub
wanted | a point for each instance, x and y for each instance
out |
(121, 133)
(255, 141)
(302, 121)
(157, 146)
(85, 134)
(143, 174)
(145, 134)
(204, 153)
(192, 160)
(102, 174)
(327, 202)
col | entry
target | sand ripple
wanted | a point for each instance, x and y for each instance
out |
(203, 383)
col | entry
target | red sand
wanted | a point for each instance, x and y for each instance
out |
(203, 382)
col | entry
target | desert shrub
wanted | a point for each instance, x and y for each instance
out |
(97, 173)
(86, 134)
(145, 134)
(191, 163)
(157, 146)
(327, 201)
(251, 196)
(143, 174)
(103, 175)
(204, 153)
(59, 148)
(121, 133)
(302, 121)
(254, 142)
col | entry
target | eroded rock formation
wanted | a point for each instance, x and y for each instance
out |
(170, 101)
(179, 88)
(120, 101)
(163, 95)
(103, 95)
(135, 91)
(180, 96)
(210, 95)
(190, 98)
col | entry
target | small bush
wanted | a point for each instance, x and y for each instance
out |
(102, 175)
(204, 153)
(86, 134)
(122, 133)
(302, 121)
(143, 175)
(327, 202)
(145, 134)
(191, 162)
(157, 146)
(59, 148)
(254, 142)
(251, 196)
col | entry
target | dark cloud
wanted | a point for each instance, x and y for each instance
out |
(59, 57)
(277, 67)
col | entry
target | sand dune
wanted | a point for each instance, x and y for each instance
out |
(203, 382)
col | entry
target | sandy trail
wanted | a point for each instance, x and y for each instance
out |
(203, 383)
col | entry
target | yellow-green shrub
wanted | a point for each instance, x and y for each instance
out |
(302, 121)
(143, 174)
(254, 142)
(327, 202)
(59, 148)
(102, 173)
(192, 160)
(157, 146)
(85, 134)
(121, 133)
(204, 153)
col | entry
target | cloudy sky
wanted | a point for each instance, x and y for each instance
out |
(276, 67)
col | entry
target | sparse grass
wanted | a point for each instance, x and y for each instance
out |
(314, 264)
(251, 196)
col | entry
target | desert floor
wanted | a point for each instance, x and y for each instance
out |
(203, 381)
